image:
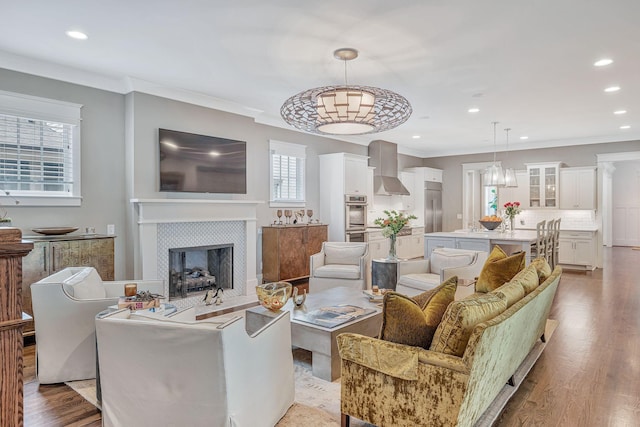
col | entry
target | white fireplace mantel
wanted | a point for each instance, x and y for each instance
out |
(150, 213)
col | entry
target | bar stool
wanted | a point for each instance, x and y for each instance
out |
(538, 248)
(556, 243)
(549, 242)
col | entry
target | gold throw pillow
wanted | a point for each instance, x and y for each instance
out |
(461, 317)
(405, 321)
(498, 269)
(543, 268)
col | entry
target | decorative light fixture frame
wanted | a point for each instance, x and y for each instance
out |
(346, 109)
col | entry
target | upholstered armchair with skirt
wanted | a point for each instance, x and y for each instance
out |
(65, 305)
(338, 264)
(417, 276)
(177, 371)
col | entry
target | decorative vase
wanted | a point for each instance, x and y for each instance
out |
(392, 248)
(512, 223)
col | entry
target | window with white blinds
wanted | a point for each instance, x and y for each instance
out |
(287, 174)
(35, 156)
(39, 150)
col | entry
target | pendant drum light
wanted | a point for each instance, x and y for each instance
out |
(510, 179)
(493, 175)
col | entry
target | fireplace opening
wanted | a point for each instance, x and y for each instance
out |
(195, 270)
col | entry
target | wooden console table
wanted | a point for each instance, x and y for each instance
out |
(12, 320)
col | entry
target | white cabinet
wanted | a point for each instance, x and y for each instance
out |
(370, 192)
(340, 174)
(432, 175)
(411, 246)
(408, 202)
(515, 194)
(543, 184)
(578, 188)
(355, 174)
(577, 248)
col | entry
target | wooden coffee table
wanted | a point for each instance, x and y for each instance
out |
(321, 341)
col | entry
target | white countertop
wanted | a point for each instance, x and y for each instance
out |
(517, 235)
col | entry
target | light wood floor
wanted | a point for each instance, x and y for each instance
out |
(588, 375)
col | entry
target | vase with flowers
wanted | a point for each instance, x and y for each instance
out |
(391, 225)
(511, 209)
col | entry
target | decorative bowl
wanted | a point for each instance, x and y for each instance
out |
(490, 225)
(54, 231)
(274, 295)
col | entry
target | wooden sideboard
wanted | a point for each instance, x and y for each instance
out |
(286, 250)
(53, 253)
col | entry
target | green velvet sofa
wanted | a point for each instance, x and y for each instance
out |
(389, 384)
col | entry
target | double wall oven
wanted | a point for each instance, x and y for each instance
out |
(355, 217)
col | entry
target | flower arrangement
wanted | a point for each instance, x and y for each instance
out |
(393, 223)
(511, 209)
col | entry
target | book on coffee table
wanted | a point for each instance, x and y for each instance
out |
(332, 316)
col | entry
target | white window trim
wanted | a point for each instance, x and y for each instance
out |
(38, 108)
(288, 149)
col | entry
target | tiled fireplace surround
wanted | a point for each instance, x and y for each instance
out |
(174, 223)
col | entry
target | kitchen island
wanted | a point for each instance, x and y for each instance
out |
(510, 241)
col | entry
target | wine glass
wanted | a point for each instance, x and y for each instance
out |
(309, 214)
(279, 215)
(287, 214)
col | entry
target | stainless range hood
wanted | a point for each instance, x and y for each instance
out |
(383, 155)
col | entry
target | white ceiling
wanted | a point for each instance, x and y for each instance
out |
(525, 64)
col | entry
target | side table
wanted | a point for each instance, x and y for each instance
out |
(384, 273)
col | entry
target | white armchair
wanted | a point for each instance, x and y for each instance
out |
(338, 264)
(417, 276)
(179, 371)
(65, 305)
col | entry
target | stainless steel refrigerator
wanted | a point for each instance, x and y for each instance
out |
(432, 207)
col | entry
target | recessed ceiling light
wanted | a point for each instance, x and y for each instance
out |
(620, 112)
(524, 137)
(78, 35)
(602, 62)
(416, 137)
(612, 89)
(473, 110)
(625, 127)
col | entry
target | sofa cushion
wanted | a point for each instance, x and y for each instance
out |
(513, 292)
(422, 281)
(498, 269)
(405, 321)
(527, 278)
(443, 258)
(338, 271)
(542, 267)
(454, 331)
(85, 284)
(343, 254)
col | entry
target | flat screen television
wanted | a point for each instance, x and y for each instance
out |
(201, 164)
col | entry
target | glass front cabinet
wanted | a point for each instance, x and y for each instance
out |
(543, 184)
